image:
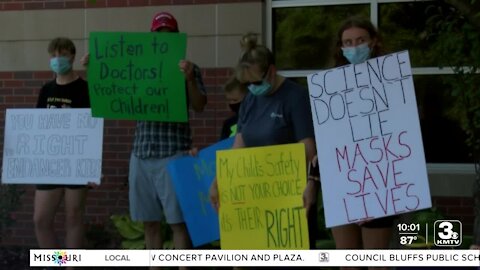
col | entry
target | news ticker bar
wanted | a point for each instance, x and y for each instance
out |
(167, 258)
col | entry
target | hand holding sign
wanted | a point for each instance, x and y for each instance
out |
(85, 60)
(213, 195)
(187, 69)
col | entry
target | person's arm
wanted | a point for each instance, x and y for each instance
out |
(213, 192)
(195, 87)
(85, 60)
(311, 190)
(42, 98)
(303, 125)
(238, 142)
(304, 133)
(310, 150)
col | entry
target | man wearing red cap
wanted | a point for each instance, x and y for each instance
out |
(164, 22)
(151, 193)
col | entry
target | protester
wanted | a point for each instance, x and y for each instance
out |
(235, 92)
(151, 192)
(357, 41)
(278, 105)
(67, 90)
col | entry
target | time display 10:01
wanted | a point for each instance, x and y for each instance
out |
(412, 227)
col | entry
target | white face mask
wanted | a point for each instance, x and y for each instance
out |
(358, 54)
(260, 89)
(60, 65)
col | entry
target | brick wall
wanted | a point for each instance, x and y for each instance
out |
(460, 208)
(20, 90)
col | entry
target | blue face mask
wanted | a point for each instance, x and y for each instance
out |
(260, 89)
(358, 54)
(60, 65)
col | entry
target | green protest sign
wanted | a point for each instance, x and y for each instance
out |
(135, 76)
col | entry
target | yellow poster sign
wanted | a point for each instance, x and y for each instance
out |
(260, 193)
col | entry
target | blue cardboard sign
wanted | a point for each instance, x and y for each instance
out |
(192, 177)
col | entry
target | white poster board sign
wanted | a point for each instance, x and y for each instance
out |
(368, 139)
(52, 146)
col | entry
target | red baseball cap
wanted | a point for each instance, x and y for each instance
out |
(164, 20)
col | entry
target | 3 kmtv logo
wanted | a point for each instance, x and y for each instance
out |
(447, 233)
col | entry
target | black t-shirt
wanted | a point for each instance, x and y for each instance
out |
(227, 127)
(71, 95)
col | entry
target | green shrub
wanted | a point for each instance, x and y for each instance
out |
(133, 233)
(9, 201)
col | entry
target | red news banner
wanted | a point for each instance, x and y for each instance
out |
(369, 144)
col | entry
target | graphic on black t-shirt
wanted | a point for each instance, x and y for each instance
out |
(66, 103)
(71, 95)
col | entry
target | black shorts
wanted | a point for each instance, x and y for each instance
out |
(50, 187)
(384, 222)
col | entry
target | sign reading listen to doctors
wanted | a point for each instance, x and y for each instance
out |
(52, 146)
(136, 76)
(260, 193)
(368, 139)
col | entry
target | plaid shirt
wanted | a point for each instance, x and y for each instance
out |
(163, 139)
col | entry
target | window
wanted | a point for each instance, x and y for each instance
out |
(301, 34)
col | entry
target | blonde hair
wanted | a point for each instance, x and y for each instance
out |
(253, 54)
(248, 41)
(232, 84)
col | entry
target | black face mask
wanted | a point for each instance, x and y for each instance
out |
(235, 107)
